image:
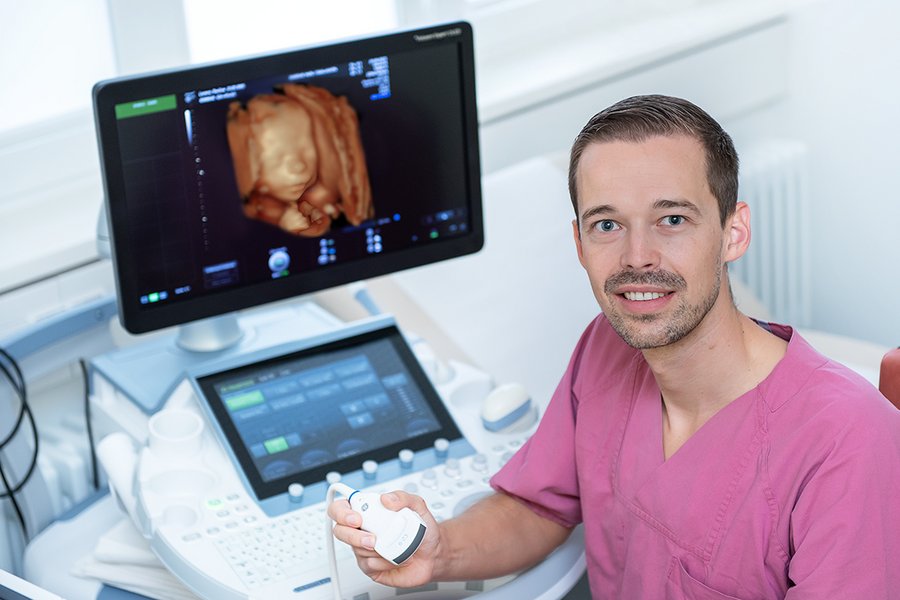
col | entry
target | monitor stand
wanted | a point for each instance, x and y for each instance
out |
(146, 373)
(210, 335)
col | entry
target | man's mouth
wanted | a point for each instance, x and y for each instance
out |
(642, 296)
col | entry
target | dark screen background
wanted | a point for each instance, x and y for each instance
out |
(180, 221)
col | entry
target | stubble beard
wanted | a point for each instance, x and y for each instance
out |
(685, 318)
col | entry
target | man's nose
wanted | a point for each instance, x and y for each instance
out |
(640, 252)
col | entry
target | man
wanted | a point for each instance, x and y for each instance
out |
(708, 455)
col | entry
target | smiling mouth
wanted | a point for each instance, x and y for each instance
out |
(642, 296)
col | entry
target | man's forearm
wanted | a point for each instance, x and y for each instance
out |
(495, 537)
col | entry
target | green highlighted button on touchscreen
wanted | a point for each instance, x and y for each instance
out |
(242, 401)
(275, 445)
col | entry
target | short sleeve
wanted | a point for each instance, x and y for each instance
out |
(845, 525)
(542, 474)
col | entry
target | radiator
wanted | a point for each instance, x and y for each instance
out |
(774, 183)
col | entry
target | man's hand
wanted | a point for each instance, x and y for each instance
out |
(496, 536)
(417, 570)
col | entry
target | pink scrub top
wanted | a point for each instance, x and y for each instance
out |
(790, 491)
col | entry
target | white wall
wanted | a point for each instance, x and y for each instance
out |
(842, 70)
(844, 87)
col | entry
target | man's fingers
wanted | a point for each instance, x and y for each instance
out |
(339, 511)
(372, 563)
(398, 499)
(347, 523)
(354, 537)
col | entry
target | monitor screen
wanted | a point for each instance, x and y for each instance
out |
(297, 416)
(239, 183)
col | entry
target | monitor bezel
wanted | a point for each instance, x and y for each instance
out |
(107, 94)
(264, 490)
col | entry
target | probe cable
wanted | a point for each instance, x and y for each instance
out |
(347, 491)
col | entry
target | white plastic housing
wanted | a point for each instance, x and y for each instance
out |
(397, 534)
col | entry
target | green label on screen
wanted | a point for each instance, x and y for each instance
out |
(276, 445)
(242, 401)
(145, 107)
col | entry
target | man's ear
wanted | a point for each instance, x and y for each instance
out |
(577, 235)
(737, 233)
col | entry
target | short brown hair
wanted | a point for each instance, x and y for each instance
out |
(640, 117)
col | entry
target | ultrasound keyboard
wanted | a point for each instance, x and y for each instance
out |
(243, 553)
(285, 547)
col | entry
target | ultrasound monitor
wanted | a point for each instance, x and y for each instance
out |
(236, 184)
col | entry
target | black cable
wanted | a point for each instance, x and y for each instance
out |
(19, 383)
(15, 503)
(18, 487)
(19, 388)
(22, 392)
(87, 420)
(25, 409)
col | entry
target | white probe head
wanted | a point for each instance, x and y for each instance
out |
(398, 534)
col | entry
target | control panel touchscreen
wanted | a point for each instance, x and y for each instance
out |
(296, 417)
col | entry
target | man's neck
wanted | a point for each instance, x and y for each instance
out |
(726, 356)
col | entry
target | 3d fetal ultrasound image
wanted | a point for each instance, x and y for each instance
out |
(298, 159)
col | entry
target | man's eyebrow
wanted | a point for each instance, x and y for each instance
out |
(668, 204)
(661, 204)
(601, 209)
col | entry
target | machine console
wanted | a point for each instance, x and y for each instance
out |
(231, 486)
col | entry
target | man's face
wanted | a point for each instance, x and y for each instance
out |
(650, 237)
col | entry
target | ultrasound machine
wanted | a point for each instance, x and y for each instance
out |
(221, 437)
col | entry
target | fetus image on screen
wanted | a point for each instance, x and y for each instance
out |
(298, 159)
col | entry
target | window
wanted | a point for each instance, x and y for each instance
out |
(51, 53)
(218, 29)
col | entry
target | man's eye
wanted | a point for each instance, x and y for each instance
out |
(607, 225)
(673, 220)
